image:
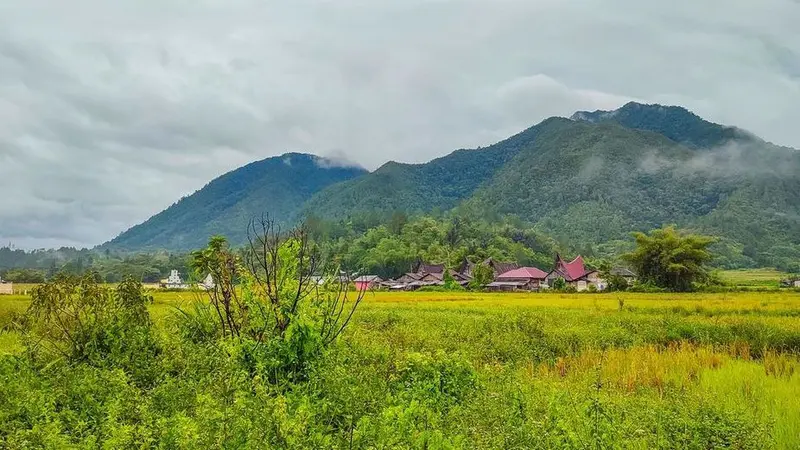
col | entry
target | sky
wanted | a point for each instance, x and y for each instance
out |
(111, 111)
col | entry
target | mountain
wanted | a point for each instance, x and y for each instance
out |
(587, 180)
(674, 122)
(600, 175)
(278, 186)
(439, 184)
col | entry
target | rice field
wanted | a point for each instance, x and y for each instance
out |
(621, 370)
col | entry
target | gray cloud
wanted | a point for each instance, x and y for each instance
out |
(110, 111)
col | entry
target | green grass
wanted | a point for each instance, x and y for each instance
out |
(753, 277)
(473, 370)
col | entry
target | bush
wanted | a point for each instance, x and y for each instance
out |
(84, 322)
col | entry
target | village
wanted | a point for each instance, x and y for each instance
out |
(506, 277)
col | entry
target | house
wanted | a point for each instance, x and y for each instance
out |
(6, 287)
(207, 284)
(499, 267)
(521, 279)
(428, 275)
(174, 281)
(622, 272)
(323, 280)
(791, 283)
(429, 268)
(467, 267)
(367, 282)
(575, 274)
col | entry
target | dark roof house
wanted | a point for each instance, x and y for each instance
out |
(501, 267)
(467, 267)
(428, 268)
(622, 272)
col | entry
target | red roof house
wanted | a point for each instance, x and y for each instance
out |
(520, 279)
(574, 273)
(523, 273)
(367, 282)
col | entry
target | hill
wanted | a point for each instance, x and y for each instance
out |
(278, 186)
(587, 180)
(439, 184)
(674, 122)
(592, 182)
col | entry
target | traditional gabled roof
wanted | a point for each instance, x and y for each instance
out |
(501, 267)
(523, 273)
(570, 271)
(413, 276)
(421, 266)
(622, 272)
(368, 279)
(431, 268)
(466, 267)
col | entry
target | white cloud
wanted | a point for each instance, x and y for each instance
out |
(110, 111)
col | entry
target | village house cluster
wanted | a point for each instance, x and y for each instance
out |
(507, 276)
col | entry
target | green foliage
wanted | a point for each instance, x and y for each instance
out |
(451, 240)
(84, 322)
(559, 284)
(586, 182)
(674, 122)
(418, 188)
(617, 283)
(670, 260)
(278, 186)
(436, 374)
(24, 276)
(481, 276)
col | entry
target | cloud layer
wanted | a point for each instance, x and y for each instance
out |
(110, 111)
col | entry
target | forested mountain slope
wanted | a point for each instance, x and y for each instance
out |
(439, 184)
(586, 181)
(278, 186)
(674, 122)
(591, 181)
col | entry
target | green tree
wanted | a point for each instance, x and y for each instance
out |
(481, 276)
(559, 284)
(670, 259)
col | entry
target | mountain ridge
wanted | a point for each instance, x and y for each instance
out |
(275, 185)
(586, 180)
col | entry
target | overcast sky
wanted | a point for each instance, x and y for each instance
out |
(112, 110)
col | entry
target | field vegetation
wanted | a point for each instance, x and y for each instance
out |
(440, 370)
(269, 358)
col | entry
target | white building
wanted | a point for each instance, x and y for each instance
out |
(207, 284)
(174, 281)
(6, 288)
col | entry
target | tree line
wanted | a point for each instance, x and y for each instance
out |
(393, 245)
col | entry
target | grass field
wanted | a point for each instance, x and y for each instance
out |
(476, 370)
(753, 277)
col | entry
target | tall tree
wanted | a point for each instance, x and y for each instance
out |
(670, 259)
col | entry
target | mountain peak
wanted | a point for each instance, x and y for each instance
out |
(278, 186)
(323, 162)
(632, 108)
(675, 122)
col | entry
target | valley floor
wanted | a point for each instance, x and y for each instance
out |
(475, 370)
